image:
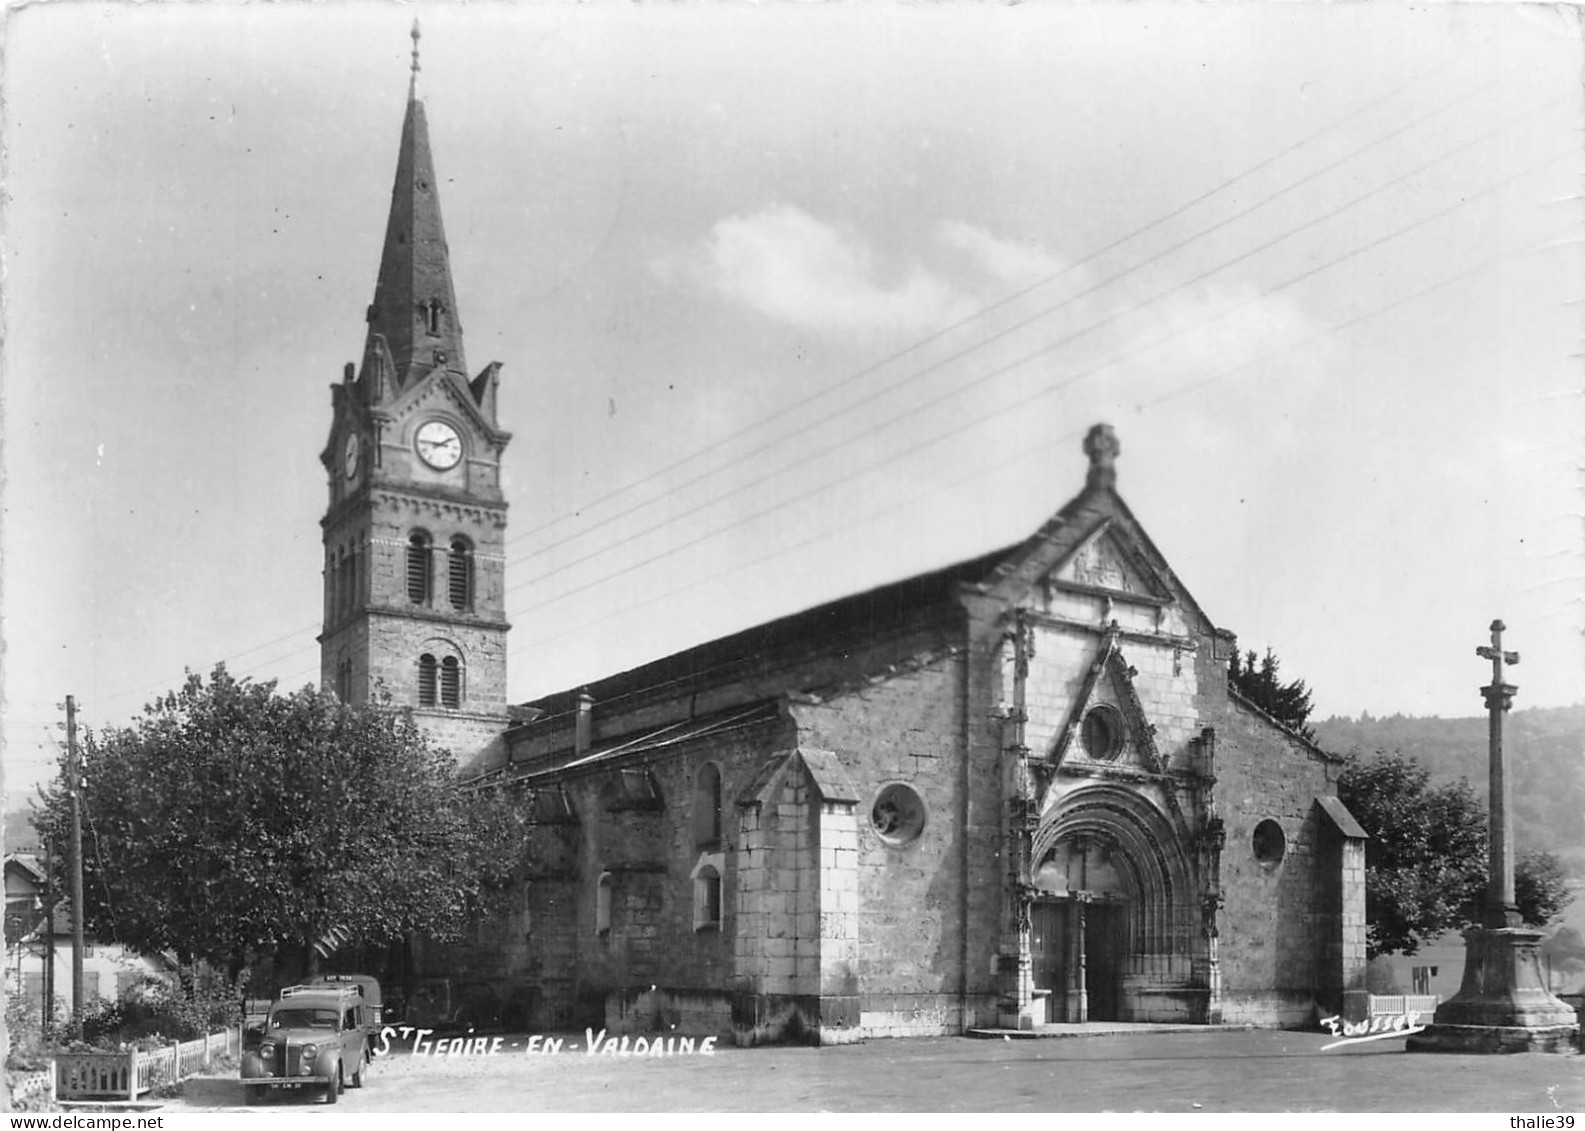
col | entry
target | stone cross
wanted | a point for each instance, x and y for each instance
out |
(1501, 908)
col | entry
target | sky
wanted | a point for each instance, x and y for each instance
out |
(795, 300)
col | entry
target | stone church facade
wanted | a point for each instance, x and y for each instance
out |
(1015, 791)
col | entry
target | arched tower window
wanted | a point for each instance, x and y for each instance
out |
(330, 586)
(344, 580)
(707, 805)
(602, 905)
(431, 309)
(460, 573)
(418, 568)
(426, 680)
(450, 682)
(333, 566)
(707, 899)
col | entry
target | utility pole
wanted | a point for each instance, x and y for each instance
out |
(48, 1016)
(75, 792)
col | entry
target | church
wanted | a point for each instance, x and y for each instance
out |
(1013, 792)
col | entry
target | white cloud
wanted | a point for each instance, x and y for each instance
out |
(1014, 261)
(797, 269)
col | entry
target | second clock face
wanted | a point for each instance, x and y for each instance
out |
(350, 456)
(438, 445)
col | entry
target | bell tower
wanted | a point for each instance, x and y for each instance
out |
(415, 528)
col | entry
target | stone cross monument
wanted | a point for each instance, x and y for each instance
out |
(1503, 1004)
(1501, 910)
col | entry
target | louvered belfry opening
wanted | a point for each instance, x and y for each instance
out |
(426, 680)
(461, 573)
(450, 682)
(418, 568)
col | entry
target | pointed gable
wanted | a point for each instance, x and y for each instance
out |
(1094, 548)
(1107, 722)
(1106, 561)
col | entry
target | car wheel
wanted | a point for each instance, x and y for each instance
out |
(333, 1089)
(357, 1075)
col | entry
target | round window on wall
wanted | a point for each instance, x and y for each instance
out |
(1102, 734)
(898, 814)
(1269, 843)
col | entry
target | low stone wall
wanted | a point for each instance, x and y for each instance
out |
(1277, 1010)
(748, 1020)
(910, 1015)
(680, 1012)
(33, 1091)
(1167, 1004)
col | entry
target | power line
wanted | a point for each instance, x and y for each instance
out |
(957, 391)
(1042, 313)
(166, 684)
(937, 335)
(1028, 451)
(1040, 352)
(963, 322)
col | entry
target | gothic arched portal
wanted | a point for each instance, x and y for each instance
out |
(1113, 924)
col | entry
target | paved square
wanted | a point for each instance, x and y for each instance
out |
(1227, 1071)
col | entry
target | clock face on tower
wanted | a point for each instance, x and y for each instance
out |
(350, 456)
(438, 445)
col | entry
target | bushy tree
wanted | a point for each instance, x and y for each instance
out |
(230, 820)
(1426, 859)
(1540, 888)
(1256, 679)
(1565, 952)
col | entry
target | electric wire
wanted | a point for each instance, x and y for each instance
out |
(869, 516)
(1179, 210)
(846, 382)
(960, 428)
(936, 366)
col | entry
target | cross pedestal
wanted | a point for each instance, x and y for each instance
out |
(1503, 1005)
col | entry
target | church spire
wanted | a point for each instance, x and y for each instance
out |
(414, 311)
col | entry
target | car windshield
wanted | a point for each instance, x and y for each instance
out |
(303, 1019)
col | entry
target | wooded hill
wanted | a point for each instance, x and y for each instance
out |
(1544, 750)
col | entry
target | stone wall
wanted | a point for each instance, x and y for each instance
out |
(908, 729)
(1273, 924)
(1165, 679)
(650, 854)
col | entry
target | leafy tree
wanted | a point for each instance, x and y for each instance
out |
(1256, 679)
(1425, 861)
(229, 820)
(1540, 887)
(1565, 952)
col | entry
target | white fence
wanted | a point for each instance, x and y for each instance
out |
(129, 1075)
(1402, 1004)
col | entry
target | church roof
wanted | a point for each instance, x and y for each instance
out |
(843, 625)
(792, 654)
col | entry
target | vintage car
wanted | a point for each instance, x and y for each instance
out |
(314, 1037)
(373, 1004)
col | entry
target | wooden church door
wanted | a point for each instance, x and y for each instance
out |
(1103, 965)
(1048, 953)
